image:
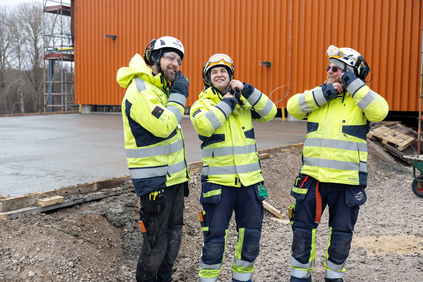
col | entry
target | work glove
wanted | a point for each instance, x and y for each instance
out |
(180, 84)
(248, 90)
(329, 92)
(347, 78)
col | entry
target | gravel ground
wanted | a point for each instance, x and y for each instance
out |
(100, 241)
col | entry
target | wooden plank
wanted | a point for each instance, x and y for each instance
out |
(87, 198)
(264, 156)
(283, 221)
(273, 210)
(50, 201)
(29, 200)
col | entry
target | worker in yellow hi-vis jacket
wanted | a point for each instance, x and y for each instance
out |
(334, 171)
(231, 175)
(151, 112)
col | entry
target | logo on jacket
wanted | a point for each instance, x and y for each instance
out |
(157, 112)
(359, 196)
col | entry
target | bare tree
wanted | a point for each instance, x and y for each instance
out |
(5, 57)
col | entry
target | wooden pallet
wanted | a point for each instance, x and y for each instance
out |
(389, 135)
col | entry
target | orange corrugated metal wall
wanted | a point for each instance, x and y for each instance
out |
(292, 34)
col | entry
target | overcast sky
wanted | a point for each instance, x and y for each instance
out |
(11, 3)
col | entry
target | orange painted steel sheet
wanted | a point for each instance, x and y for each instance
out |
(292, 35)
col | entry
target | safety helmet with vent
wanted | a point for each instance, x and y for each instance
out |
(214, 61)
(348, 60)
(158, 47)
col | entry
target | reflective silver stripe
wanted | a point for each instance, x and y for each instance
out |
(302, 103)
(300, 270)
(142, 173)
(236, 150)
(334, 274)
(267, 109)
(214, 279)
(365, 102)
(354, 86)
(155, 151)
(222, 170)
(243, 263)
(213, 119)
(334, 271)
(319, 97)
(363, 167)
(223, 106)
(242, 276)
(296, 263)
(335, 164)
(140, 84)
(299, 273)
(335, 267)
(210, 266)
(336, 144)
(177, 98)
(177, 167)
(254, 97)
(175, 110)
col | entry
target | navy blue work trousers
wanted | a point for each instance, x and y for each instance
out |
(248, 208)
(344, 203)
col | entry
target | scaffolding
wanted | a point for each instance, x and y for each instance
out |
(58, 56)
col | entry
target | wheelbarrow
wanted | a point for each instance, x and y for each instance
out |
(417, 184)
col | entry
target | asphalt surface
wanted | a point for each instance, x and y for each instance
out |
(44, 152)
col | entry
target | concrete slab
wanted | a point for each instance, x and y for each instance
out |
(45, 152)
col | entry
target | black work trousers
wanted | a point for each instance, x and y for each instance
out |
(164, 231)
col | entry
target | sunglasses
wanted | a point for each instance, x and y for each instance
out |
(334, 69)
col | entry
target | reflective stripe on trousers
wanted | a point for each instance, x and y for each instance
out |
(334, 271)
(301, 270)
(209, 270)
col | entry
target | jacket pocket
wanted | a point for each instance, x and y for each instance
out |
(355, 196)
(210, 193)
(301, 186)
(154, 202)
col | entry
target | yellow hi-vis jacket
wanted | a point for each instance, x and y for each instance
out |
(335, 149)
(229, 152)
(154, 143)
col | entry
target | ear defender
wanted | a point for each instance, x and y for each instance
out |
(363, 69)
(147, 52)
(205, 78)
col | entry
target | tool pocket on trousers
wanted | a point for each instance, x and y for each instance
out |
(154, 202)
(210, 193)
(301, 186)
(355, 196)
(149, 226)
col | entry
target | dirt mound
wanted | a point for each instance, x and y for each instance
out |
(100, 241)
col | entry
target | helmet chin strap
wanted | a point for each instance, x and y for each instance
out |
(157, 62)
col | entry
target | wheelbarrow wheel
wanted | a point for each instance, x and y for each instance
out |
(418, 191)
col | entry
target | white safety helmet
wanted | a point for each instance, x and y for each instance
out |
(157, 48)
(348, 60)
(214, 61)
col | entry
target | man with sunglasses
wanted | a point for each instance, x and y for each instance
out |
(334, 171)
(152, 112)
(231, 175)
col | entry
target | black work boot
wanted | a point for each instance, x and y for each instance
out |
(337, 280)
